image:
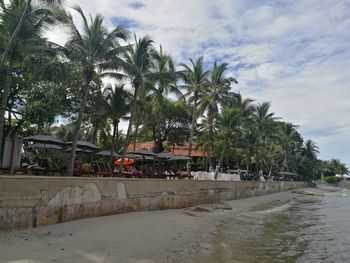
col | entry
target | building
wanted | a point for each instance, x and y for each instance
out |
(175, 150)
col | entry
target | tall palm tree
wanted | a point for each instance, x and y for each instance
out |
(195, 78)
(92, 48)
(229, 121)
(117, 106)
(262, 118)
(216, 93)
(246, 109)
(136, 65)
(289, 140)
(165, 84)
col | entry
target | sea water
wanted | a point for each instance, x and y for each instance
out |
(307, 229)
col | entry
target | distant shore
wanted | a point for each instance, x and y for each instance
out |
(157, 236)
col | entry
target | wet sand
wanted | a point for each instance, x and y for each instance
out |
(156, 236)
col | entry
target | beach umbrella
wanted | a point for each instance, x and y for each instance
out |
(85, 145)
(165, 155)
(179, 158)
(143, 152)
(44, 139)
(44, 146)
(108, 153)
(132, 156)
(127, 161)
(80, 150)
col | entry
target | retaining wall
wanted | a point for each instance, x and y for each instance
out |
(31, 201)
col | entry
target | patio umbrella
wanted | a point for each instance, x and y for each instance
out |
(108, 153)
(79, 150)
(179, 158)
(44, 146)
(143, 152)
(44, 139)
(132, 156)
(127, 161)
(165, 155)
(85, 145)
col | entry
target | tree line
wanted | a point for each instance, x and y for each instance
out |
(100, 77)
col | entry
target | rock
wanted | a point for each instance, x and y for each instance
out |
(202, 209)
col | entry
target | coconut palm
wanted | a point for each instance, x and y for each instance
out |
(92, 48)
(310, 150)
(262, 118)
(136, 66)
(164, 85)
(195, 79)
(117, 105)
(229, 121)
(216, 93)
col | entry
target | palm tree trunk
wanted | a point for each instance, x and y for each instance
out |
(77, 129)
(3, 106)
(127, 138)
(211, 142)
(95, 127)
(193, 126)
(224, 149)
(14, 35)
(115, 124)
(135, 135)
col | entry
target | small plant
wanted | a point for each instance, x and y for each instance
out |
(333, 179)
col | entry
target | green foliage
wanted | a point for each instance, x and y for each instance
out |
(333, 179)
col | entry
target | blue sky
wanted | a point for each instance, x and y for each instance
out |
(292, 53)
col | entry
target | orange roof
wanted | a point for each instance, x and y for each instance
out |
(176, 150)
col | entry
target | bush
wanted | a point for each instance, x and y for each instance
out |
(333, 179)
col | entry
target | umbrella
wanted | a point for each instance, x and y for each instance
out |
(127, 161)
(132, 156)
(108, 153)
(179, 158)
(44, 146)
(85, 144)
(143, 152)
(44, 139)
(79, 150)
(165, 155)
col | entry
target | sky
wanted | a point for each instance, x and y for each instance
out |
(292, 53)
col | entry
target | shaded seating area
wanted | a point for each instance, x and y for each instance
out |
(48, 156)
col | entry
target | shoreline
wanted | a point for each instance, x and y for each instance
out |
(142, 237)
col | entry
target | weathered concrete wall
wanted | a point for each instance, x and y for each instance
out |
(31, 201)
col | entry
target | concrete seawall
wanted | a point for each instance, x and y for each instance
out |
(31, 201)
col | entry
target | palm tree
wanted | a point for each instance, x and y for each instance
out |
(289, 140)
(229, 121)
(310, 150)
(92, 49)
(216, 93)
(117, 105)
(136, 66)
(262, 118)
(195, 79)
(165, 84)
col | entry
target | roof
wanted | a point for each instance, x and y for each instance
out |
(45, 139)
(176, 150)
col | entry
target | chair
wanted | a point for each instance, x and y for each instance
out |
(102, 170)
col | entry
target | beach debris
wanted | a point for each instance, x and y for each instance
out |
(304, 192)
(202, 209)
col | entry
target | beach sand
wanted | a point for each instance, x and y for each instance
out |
(142, 237)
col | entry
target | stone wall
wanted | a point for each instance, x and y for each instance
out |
(31, 201)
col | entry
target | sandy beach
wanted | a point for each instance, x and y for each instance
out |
(157, 236)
